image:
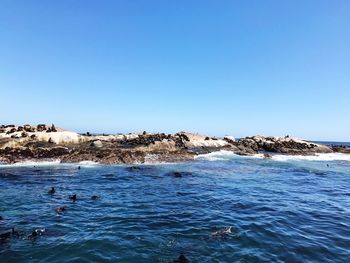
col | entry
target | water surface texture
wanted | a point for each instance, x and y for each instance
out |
(279, 210)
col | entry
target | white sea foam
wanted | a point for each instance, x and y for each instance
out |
(317, 157)
(49, 163)
(32, 163)
(87, 163)
(226, 155)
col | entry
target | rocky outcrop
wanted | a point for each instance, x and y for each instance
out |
(341, 149)
(284, 145)
(36, 143)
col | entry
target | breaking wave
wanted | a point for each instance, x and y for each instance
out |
(228, 155)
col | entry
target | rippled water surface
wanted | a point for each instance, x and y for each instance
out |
(280, 211)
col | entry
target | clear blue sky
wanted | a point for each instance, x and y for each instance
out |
(216, 67)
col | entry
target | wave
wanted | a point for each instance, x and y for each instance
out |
(227, 155)
(86, 164)
(49, 163)
(31, 163)
(317, 157)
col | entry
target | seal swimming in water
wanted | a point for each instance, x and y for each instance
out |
(267, 156)
(36, 233)
(5, 236)
(222, 233)
(73, 197)
(60, 209)
(181, 259)
(51, 191)
(95, 197)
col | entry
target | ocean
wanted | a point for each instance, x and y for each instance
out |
(218, 208)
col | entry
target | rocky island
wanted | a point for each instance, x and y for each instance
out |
(46, 142)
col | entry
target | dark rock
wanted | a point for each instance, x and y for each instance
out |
(279, 145)
(341, 149)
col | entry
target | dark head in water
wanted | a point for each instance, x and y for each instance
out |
(181, 259)
(1, 218)
(52, 190)
(95, 197)
(36, 233)
(33, 235)
(73, 197)
(79, 167)
(7, 235)
(60, 209)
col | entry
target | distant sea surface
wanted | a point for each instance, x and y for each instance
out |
(287, 209)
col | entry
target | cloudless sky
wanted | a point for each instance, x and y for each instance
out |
(215, 67)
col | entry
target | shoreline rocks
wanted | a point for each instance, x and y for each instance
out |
(35, 143)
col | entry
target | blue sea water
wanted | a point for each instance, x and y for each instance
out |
(280, 210)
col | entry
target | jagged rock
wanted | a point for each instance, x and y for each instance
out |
(230, 139)
(285, 145)
(140, 148)
(341, 149)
